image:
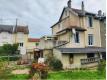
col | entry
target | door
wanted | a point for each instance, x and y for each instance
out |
(71, 58)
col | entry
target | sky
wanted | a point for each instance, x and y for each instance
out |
(40, 15)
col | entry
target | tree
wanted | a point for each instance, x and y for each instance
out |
(10, 49)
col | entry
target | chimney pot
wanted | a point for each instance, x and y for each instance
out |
(82, 7)
(69, 3)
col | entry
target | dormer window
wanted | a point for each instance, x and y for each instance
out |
(90, 21)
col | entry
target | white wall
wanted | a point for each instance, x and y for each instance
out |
(6, 38)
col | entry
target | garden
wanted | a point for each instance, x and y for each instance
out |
(42, 71)
(14, 68)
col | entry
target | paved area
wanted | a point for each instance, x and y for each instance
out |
(23, 71)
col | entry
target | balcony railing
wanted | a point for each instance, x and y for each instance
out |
(89, 60)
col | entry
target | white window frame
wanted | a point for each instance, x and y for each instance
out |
(90, 39)
(89, 23)
(78, 37)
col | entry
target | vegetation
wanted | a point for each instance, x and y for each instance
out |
(39, 70)
(55, 64)
(9, 49)
(76, 75)
(18, 77)
(101, 67)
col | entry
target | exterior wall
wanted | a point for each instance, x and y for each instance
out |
(45, 44)
(95, 30)
(76, 59)
(32, 45)
(47, 53)
(74, 20)
(6, 38)
(57, 54)
(103, 33)
(20, 37)
(69, 37)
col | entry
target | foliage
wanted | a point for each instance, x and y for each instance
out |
(56, 64)
(76, 75)
(3, 65)
(10, 49)
(101, 67)
(18, 77)
(40, 68)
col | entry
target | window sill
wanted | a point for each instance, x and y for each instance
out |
(91, 27)
(90, 45)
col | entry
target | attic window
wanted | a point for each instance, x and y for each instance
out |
(90, 21)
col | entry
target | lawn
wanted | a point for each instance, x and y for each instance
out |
(61, 75)
(77, 75)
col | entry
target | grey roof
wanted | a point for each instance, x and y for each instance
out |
(6, 28)
(14, 29)
(82, 50)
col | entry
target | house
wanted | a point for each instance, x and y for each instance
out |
(79, 37)
(32, 47)
(10, 34)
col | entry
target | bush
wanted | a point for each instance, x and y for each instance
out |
(39, 69)
(56, 64)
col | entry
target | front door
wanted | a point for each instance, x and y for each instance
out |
(71, 58)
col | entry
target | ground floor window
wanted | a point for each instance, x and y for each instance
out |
(90, 55)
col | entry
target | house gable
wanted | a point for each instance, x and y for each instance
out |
(65, 13)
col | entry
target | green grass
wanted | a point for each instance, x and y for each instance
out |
(18, 77)
(77, 75)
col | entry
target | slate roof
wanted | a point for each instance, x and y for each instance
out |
(14, 29)
(79, 12)
(82, 50)
(6, 28)
(22, 29)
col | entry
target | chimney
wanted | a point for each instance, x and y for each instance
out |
(69, 3)
(99, 13)
(83, 8)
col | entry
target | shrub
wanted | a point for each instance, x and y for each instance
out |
(39, 68)
(56, 64)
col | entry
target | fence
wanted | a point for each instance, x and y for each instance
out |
(10, 58)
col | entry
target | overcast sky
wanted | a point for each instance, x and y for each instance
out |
(40, 15)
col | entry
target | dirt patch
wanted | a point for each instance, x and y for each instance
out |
(23, 71)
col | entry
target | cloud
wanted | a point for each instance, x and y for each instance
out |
(40, 15)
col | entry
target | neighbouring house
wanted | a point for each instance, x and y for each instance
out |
(46, 45)
(79, 38)
(32, 47)
(10, 34)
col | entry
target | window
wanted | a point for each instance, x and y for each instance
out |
(76, 37)
(90, 39)
(90, 55)
(90, 21)
(21, 44)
